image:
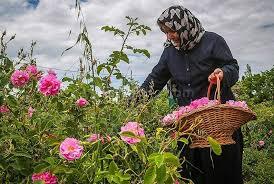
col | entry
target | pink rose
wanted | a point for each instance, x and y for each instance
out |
(199, 102)
(49, 85)
(51, 72)
(98, 137)
(174, 135)
(169, 119)
(261, 143)
(94, 138)
(45, 177)
(270, 132)
(177, 114)
(82, 102)
(32, 70)
(71, 149)
(176, 182)
(108, 138)
(237, 104)
(19, 78)
(30, 112)
(4, 109)
(135, 128)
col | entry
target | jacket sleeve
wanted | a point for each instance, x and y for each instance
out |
(159, 76)
(226, 62)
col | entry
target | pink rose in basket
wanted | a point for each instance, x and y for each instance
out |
(237, 104)
(182, 110)
(169, 119)
(199, 102)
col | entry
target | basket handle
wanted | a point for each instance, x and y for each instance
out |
(217, 94)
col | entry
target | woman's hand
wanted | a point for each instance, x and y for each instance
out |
(212, 77)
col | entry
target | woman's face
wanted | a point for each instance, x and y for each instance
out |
(173, 36)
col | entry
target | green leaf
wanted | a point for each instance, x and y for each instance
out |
(1, 98)
(1, 166)
(128, 134)
(142, 51)
(150, 175)
(169, 180)
(12, 101)
(159, 160)
(50, 160)
(4, 80)
(113, 168)
(171, 159)
(109, 157)
(22, 154)
(62, 170)
(105, 28)
(88, 76)
(67, 79)
(215, 145)
(108, 69)
(184, 140)
(60, 106)
(129, 47)
(98, 81)
(118, 75)
(124, 57)
(161, 174)
(100, 68)
(144, 31)
(39, 182)
(54, 100)
(138, 149)
(41, 167)
(123, 177)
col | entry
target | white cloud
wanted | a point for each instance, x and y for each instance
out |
(241, 23)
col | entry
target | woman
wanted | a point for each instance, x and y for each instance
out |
(192, 58)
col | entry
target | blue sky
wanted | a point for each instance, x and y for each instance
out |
(246, 25)
(33, 3)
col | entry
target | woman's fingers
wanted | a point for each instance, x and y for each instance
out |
(212, 77)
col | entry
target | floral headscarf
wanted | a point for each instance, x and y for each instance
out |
(182, 21)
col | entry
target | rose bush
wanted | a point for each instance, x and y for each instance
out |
(83, 133)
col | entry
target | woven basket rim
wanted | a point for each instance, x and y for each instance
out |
(222, 106)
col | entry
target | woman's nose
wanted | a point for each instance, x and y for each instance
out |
(170, 36)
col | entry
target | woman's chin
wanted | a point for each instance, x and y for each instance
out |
(176, 44)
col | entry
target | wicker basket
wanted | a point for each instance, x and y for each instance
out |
(218, 121)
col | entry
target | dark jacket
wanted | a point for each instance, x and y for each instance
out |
(190, 70)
